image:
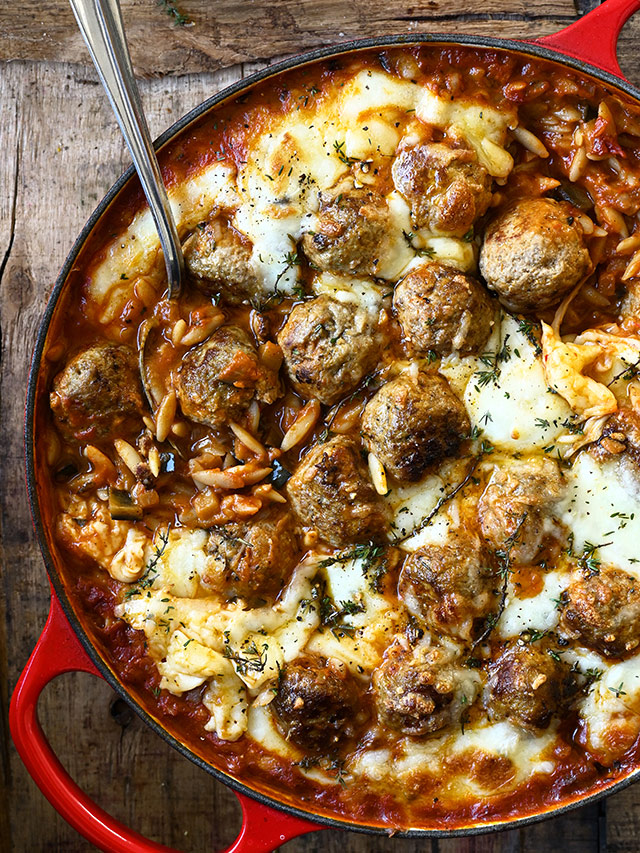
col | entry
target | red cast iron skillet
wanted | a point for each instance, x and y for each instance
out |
(588, 45)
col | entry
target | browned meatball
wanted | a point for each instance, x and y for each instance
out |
(330, 490)
(452, 586)
(446, 187)
(515, 508)
(220, 260)
(218, 379)
(533, 254)
(253, 559)
(442, 310)
(413, 424)
(317, 703)
(603, 612)
(97, 392)
(352, 234)
(527, 685)
(328, 347)
(415, 690)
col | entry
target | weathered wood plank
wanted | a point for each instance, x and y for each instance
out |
(499, 842)
(623, 821)
(575, 832)
(8, 204)
(224, 33)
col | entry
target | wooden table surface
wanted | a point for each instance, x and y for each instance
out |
(60, 150)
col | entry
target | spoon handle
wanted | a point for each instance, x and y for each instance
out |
(100, 23)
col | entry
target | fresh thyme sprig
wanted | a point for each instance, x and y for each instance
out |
(492, 361)
(253, 660)
(503, 556)
(526, 328)
(589, 561)
(291, 259)
(151, 571)
(630, 372)
(428, 252)
(446, 497)
(332, 616)
(338, 147)
(373, 560)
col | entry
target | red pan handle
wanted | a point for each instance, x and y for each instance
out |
(58, 651)
(594, 37)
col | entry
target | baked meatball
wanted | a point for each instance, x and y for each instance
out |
(515, 508)
(218, 379)
(317, 704)
(442, 310)
(253, 559)
(328, 347)
(352, 232)
(446, 187)
(413, 423)
(416, 690)
(452, 586)
(97, 392)
(533, 254)
(220, 260)
(330, 490)
(527, 685)
(603, 612)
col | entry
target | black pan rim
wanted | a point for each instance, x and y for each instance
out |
(323, 822)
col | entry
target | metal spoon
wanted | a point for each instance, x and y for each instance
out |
(100, 23)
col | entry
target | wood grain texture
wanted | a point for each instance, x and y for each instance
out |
(224, 32)
(61, 150)
(623, 821)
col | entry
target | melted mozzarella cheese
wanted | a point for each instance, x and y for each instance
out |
(278, 189)
(412, 504)
(516, 411)
(137, 249)
(539, 612)
(181, 562)
(601, 508)
(262, 728)
(369, 631)
(528, 754)
(273, 231)
(373, 139)
(450, 251)
(399, 253)
(376, 94)
(361, 292)
(158, 614)
(198, 639)
(293, 164)
(188, 664)
(483, 127)
(612, 709)
(565, 366)
(225, 699)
